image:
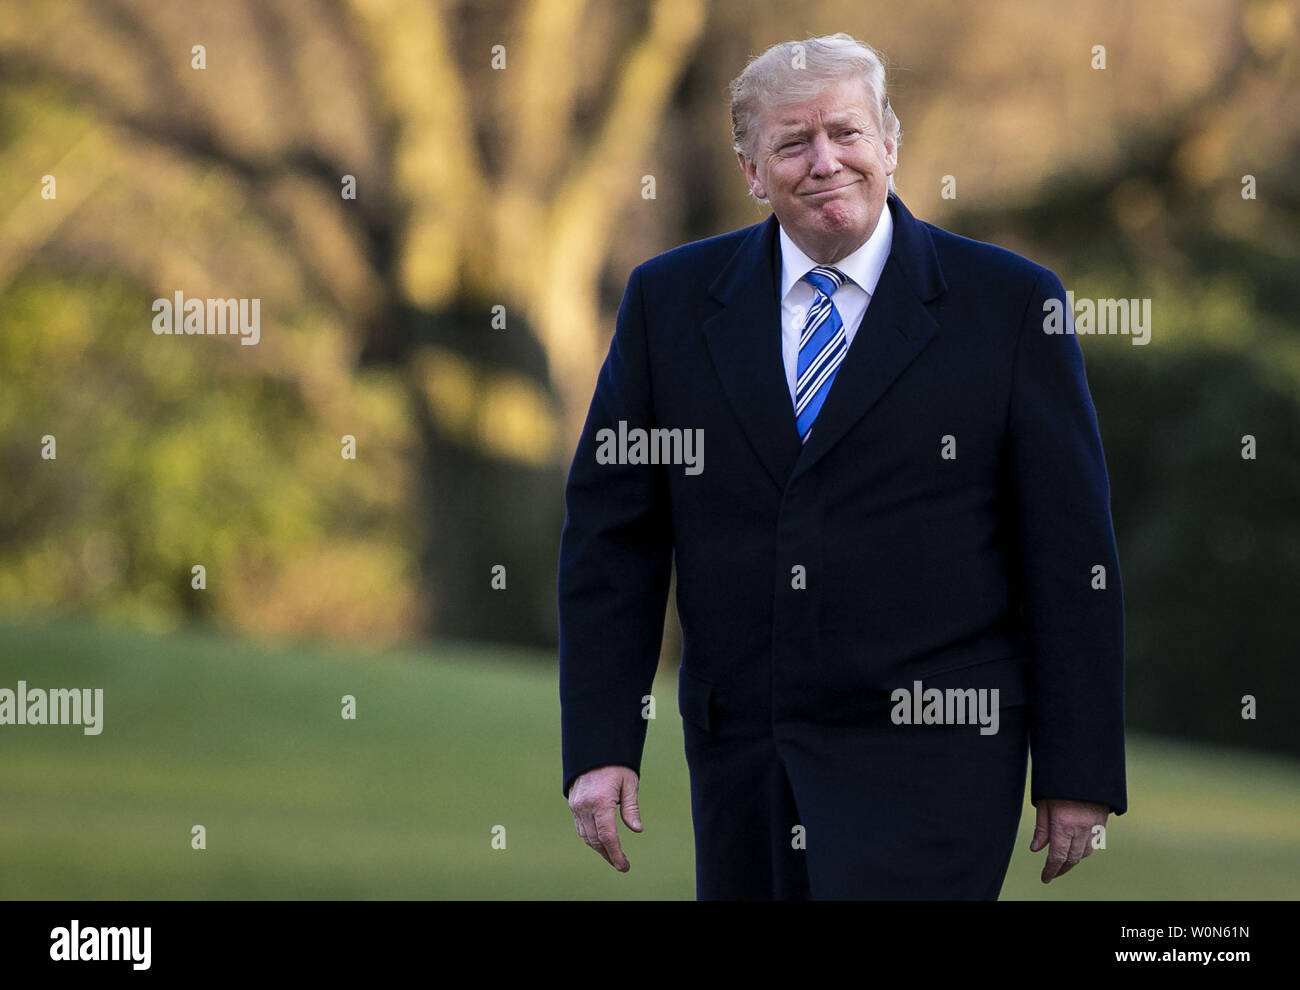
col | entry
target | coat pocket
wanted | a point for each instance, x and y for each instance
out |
(694, 699)
(1009, 675)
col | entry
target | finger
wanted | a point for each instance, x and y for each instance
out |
(1040, 828)
(631, 813)
(1078, 842)
(1057, 853)
(607, 838)
(589, 831)
(584, 823)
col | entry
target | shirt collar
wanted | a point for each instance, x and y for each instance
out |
(863, 266)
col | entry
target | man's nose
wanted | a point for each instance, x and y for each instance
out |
(824, 159)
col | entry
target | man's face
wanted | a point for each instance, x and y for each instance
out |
(825, 169)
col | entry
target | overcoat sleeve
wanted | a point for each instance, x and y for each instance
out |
(615, 564)
(1068, 566)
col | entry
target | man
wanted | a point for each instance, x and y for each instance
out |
(896, 571)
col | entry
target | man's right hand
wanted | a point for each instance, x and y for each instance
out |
(593, 798)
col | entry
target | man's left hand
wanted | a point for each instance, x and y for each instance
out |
(1065, 826)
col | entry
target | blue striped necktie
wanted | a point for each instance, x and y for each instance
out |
(822, 346)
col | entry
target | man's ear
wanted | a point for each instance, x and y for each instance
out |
(891, 156)
(751, 176)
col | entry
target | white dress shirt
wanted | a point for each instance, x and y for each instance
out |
(863, 268)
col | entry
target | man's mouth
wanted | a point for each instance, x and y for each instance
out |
(826, 192)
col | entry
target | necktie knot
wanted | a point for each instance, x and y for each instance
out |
(825, 279)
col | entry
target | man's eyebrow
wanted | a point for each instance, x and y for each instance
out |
(792, 129)
(785, 131)
(844, 117)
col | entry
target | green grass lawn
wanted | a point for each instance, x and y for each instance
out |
(247, 740)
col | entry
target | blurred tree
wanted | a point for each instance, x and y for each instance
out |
(485, 177)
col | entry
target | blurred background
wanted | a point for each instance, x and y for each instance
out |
(438, 205)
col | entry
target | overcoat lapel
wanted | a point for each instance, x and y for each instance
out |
(744, 340)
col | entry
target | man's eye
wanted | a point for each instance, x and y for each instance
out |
(848, 132)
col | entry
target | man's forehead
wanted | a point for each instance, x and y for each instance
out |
(838, 99)
(797, 117)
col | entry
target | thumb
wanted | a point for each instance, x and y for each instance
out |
(1041, 832)
(631, 813)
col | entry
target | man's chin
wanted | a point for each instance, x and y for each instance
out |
(837, 218)
(834, 219)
